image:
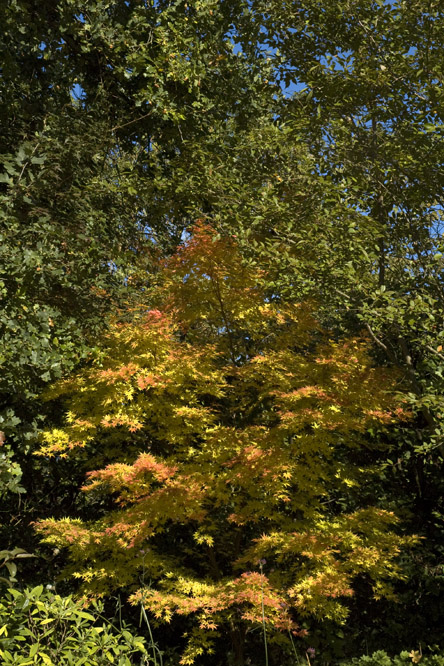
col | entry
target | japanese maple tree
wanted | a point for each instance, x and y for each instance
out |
(220, 423)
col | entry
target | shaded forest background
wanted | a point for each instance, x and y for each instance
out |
(312, 133)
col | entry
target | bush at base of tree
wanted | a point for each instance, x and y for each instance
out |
(45, 629)
(381, 658)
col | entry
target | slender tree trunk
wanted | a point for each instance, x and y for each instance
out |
(238, 642)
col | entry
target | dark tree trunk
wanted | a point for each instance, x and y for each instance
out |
(238, 642)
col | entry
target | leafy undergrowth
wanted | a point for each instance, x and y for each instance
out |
(44, 629)
(381, 658)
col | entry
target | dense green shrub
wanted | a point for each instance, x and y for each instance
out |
(381, 658)
(41, 628)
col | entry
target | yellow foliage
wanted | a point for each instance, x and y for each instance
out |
(222, 418)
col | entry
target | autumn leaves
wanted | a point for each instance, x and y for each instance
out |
(230, 415)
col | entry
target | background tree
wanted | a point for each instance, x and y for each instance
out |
(102, 108)
(367, 100)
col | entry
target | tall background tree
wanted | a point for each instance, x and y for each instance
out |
(103, 107)
(369, 106)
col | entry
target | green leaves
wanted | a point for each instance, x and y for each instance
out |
(9, 560)
(42, 628)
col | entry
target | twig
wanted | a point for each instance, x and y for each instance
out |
(435, 351)
(130, 122)
(375, 339)
(263, 615)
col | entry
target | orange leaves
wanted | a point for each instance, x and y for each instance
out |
(246, 595)
(321, 562)
(66, 532)
(204, 255)
(135, 479)
(147, 463)
(148, 381)
(152, 494)
(209, 290)
(124, 373)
